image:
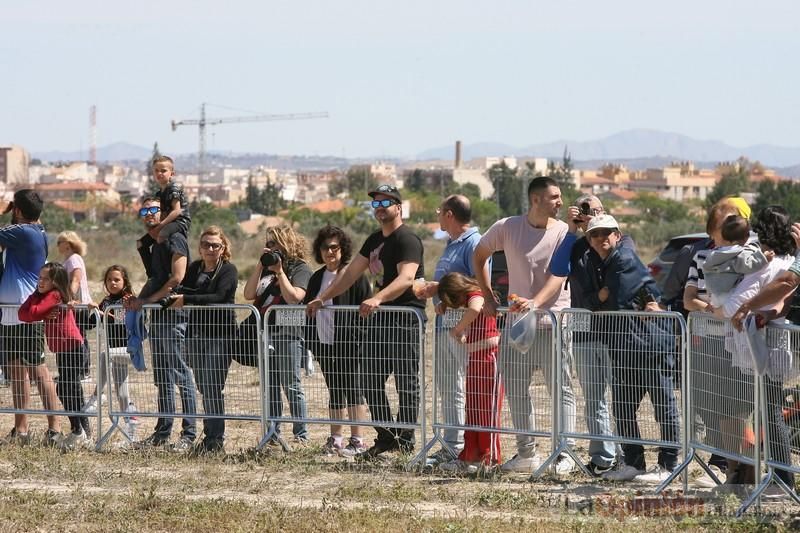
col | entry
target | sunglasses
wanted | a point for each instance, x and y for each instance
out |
(143, 212)
(213, 246)
(331, 247)
(605, 232)
(382, 203)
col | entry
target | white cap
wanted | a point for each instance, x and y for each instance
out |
(602, 221)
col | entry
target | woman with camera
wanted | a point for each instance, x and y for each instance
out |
(212, 279)
(281, 277)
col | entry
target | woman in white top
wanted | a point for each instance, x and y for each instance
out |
(72, 249)
(773, 227)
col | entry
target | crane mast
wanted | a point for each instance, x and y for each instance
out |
(203, 122)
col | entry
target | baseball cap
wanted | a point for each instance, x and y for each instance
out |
(386, 190)
(602, 221)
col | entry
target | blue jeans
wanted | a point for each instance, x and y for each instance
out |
(167, 335)
(593, 365)
(210, 361)
(284, 373)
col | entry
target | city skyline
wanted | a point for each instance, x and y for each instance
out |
(398, 79)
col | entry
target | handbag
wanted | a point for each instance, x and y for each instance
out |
(245, 344)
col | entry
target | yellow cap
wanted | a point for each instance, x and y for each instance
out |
(740, 204)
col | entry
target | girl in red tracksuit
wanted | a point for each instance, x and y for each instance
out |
(484, 391)
(64, 338)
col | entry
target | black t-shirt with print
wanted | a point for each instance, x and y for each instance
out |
(385, 253)
(268, 291)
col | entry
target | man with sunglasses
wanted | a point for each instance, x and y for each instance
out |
(642, 351)
(165, 264)
(394, 256)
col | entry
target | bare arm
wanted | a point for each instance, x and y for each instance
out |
(480, 265)
(473, 309)
(777, 290)
(552, 287)
(75, 281)
(344, 280)
(691, 302)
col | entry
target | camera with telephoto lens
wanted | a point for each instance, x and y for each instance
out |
(270, 258)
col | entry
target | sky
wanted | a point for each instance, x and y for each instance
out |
(397, 78)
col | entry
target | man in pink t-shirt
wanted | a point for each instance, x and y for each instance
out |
(529, 242)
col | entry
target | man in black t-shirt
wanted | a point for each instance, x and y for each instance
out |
(165, 264)
(394, 256)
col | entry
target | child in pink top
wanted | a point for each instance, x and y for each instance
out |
(65, 339)
(484, 390)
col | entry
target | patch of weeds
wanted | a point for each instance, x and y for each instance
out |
(516, 500)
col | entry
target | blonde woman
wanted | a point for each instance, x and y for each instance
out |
(281, 277)
(72, 249)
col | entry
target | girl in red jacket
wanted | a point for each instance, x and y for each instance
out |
(484, 391)
(64, 338)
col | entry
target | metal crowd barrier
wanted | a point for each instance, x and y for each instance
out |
(194, 350)
(529, 412)
(353, 367)
(63, 385)
(618, 358)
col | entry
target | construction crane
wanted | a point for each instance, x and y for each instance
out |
(203, 121)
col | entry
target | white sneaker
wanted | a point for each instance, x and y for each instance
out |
(523, 465)
(624, 473)
(706, 482)
(565, 465)
(440, 457)
(73, 441)
(3, 380)
(457, 466)
(90, 407)
(655, 475)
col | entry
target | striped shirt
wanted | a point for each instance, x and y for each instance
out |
(695, 277)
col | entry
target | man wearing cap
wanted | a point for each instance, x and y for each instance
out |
(590, 353)
(642, 351)
(394, 256)
(529, 242)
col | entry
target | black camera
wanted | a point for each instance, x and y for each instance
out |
(270, 258)
(167, 301)
(585, 210)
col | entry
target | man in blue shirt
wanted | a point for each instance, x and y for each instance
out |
(24, 245)
(454, 215)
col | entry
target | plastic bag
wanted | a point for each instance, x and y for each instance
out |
(523, 331)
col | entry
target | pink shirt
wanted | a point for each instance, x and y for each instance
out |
(528, 252)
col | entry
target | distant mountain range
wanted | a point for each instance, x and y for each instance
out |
(631, 144)
(640, 148)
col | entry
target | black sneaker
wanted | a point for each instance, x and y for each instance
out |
(597, 471)
(153, 441)
(378, 448)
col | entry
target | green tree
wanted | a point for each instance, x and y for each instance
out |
(55, 219)
(509, 190)
(360, 181)
(205, 214)
(783, 193)
(562, 173)
(735, 180)
(657, 210)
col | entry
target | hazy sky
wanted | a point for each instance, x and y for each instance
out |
(398, 77)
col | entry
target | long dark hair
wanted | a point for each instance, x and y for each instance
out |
(58, 275)
(453, 289)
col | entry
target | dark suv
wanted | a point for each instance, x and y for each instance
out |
(500, 277)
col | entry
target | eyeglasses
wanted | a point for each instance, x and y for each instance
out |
(213, 246)
(382, 203)
(143, 212)
(441, 210)
(605, 232)
(331, 247)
